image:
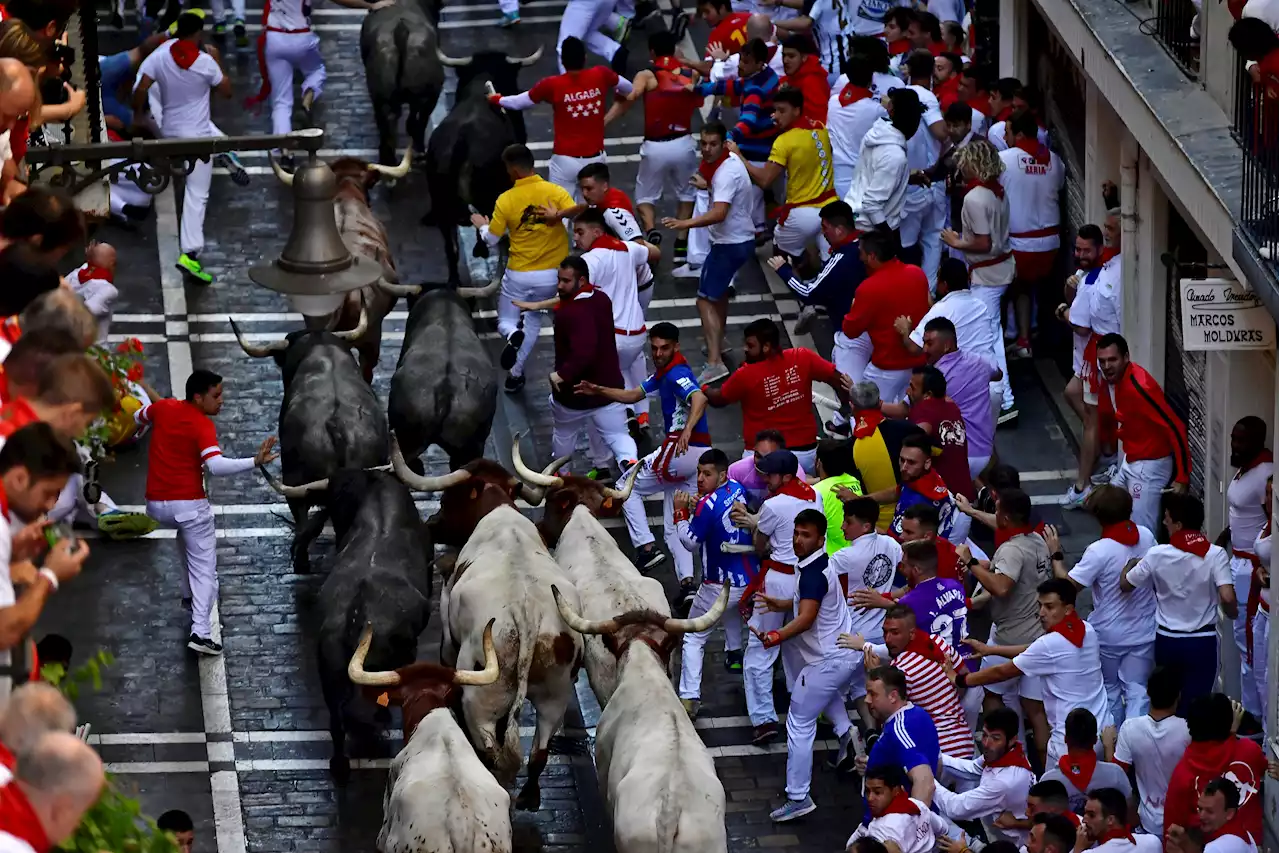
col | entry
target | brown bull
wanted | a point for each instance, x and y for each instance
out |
(366, 237)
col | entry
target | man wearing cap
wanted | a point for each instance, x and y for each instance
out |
(774, 527)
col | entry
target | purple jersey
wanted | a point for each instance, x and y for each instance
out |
(940, 608)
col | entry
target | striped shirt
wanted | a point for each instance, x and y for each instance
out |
(928, 687)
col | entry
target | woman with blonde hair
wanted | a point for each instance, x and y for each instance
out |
(984, 218)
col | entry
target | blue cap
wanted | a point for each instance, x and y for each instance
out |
(779, 462)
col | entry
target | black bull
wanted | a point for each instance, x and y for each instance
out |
(398, 45)
(330, 419)
(464, 154)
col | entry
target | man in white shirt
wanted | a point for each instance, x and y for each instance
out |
(824, 669)
(901, 822)
(851, 112)
(1082, 389)
(94, 283)
(774, 529)
(1066, 659)
(1191, 577)
(1082, 768)
(1002, 775)
(183, 71)
(733, 239)
(878, 187)
(924, 211)
(1106, 822)
(1126, 621)
(1151, 746)
(869, 563)
(1033, 177)
(1247, 514)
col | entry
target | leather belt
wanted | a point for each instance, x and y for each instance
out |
(288, 32)
(642, 288)
(991, 262)
(775, 566)
(624, 332)
(1051, 231)
(599, 153)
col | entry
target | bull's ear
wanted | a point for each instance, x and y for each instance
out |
(565, 499)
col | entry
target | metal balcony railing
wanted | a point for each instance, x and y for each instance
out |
(1255, 124)
(1173, 27)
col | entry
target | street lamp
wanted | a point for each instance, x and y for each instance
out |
(315, 270)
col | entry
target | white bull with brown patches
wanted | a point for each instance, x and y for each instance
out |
(364, 236)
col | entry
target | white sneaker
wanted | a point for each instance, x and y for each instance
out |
(1074, 498)
(712, 373)
(686, 271)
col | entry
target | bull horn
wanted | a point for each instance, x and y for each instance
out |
(258, 351)
(353, 335)
(534, 494)
(528, 60)
(488, 675)
(577, 623)
(293, 492)
(480, 292)
(449, 61)
(398, 290)
(703, 622)
(534, 478)
(423, 484)
(355, 669)
(286, 178)
(622, 494)
(394, 172)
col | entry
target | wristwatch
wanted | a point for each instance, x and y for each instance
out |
(1057, 556)
(973, 561)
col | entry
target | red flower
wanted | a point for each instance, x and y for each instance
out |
(135, 373)
(135, 344)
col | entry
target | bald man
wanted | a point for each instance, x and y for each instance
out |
(60, 778)
(17, 95)
(33, 710)
(94, 283)
(759, 26)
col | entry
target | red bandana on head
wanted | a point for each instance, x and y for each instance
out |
(1078, 766)
(608, 241)
(1124, 532)
(851, 94)
(930, 485)
(1015, 757)
(1191, 541)
(184, 52)
(868, 420)
(1036, 149)
(900, 804)
(1071, 627)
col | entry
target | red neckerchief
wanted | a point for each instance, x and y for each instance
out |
(807, 123)
(1072, 627)
(184, 52)
(614, 197)
(1078, 766)
(4, 513)
(19, 820)
(11, 329)
(937, 48)
(947, 560)
(981, 102)
(1004, 534)
(899, 46)
(708, 170)
(994, 186)
(1231, 827)
(852, 94)
(586, 288)
(797, 488)
(676, 360)
(1033, 147)
(7, 758)
(15, 415)
(923, 645)
(1124, 532)
(930, 485)
(1003, 115)
(1108, 252)
(89, 273)
(608, 241)
(1015, 757)
(1261, 459)
(900, 804)
(1112, 834)
(868, 420)
(264, 91)
(948, 91)
(1191, 541)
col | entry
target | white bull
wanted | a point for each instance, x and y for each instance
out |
(656, 775)
(440, 798)
(505, 573)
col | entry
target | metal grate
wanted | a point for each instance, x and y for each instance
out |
(1254, 124)
(1173, 27)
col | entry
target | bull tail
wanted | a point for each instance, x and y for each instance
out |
(510, 734)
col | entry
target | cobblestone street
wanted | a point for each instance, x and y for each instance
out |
(242, 742)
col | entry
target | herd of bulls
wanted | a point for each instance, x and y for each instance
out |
(524, 605)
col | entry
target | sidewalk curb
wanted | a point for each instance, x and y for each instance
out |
(1050, 377)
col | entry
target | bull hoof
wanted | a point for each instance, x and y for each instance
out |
(301, 564)
(340, 769)
(530, 798)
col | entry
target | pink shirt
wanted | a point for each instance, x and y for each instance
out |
(744, 471)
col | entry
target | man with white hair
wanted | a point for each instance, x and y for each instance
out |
(33, 710)
(60, 779)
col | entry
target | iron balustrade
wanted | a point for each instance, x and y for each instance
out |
(1255, 124)
(1172, 28)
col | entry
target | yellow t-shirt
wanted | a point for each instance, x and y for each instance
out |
(534, 244)
(871, 457)
(806, 155)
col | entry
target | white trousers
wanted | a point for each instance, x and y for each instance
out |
(680, 474)
(72, 506)
(584, 19)
(851, 357)
(694, 645)
(757, 198)
(197, 543)
(1144, 480)
(990, 296)
(820, 688)
(666, 167)
(803, 226)
(220, 12)
(525, 286)
(757, 661)
(699, 238)
(922, 224)
(892, 383)
(125, 191)
(842, 177)
(1253, 678)
(635, 369)
(562, 170)
(286, 53)
(610, 421)
(195, 200)
(1125, 670)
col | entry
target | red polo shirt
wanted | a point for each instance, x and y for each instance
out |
(888, 293)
